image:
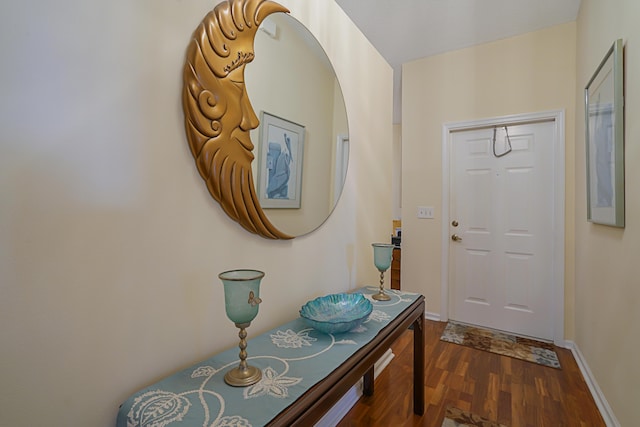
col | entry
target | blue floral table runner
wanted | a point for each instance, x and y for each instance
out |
(293, 358)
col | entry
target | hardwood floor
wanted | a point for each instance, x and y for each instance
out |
(510, 391)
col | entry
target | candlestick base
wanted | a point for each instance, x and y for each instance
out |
(238, 377)
(381, 296)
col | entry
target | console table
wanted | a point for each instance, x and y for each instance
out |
(305, 372)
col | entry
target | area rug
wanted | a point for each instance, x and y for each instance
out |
(455, 417)
(497, 342)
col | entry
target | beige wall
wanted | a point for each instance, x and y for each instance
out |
(110, 244)
(607, 297)
(533, 72)
(396, 179)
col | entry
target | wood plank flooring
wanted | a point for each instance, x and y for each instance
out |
(510, 391)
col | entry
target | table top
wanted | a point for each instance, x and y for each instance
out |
(293, 358)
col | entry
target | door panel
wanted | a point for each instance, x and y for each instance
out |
(501, 270)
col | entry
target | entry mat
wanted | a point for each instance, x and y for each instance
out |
(455, 417)
(498, 342)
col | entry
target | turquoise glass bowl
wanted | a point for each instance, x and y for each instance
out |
(336, 313)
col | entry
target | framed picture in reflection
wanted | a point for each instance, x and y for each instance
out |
(280, 157)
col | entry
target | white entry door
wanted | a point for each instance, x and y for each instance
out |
(501, 223)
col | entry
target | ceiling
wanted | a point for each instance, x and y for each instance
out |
(405, 30)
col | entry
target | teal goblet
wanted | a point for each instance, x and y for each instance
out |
(382, 253)
(241, 299)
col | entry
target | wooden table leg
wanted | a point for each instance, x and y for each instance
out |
(367, 383)
(418, 365)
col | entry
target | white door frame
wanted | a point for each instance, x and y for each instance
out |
(340, 171)
(558, 207)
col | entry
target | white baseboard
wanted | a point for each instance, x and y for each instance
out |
(601, 402)
(351, 397)
(432, 316)
(382, 363)
(340, 409)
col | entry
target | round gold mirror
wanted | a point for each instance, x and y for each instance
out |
(301, 147)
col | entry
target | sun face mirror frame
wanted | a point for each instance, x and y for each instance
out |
(219, 116)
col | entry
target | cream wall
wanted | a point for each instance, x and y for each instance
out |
(396, 179)
(110, 244)
(607, 297)
(529, 73)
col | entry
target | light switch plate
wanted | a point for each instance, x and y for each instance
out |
(425, 212)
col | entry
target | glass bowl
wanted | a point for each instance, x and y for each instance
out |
(336, 313)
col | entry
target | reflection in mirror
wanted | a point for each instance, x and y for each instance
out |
(291, 78)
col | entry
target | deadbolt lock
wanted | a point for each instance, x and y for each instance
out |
(454, 223)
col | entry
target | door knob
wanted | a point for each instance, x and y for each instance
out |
(456, 238)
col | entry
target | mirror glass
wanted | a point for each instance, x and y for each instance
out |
(303, 131)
